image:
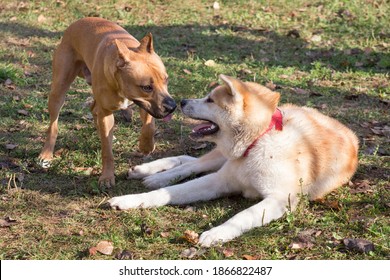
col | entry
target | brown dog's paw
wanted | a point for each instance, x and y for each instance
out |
(106, 182)
(146, 148)
(44, 163)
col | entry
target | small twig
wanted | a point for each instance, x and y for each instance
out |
(14, 180)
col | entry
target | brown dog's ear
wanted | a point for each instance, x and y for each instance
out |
(146, 43)
(123, 54)
(234, 85)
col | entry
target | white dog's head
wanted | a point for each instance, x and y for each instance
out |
(234, 114)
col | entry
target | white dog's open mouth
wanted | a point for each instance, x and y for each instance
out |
(203, 129)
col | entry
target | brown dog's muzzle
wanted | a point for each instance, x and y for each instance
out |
(167, 106)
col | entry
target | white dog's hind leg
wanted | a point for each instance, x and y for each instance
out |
(204, 188)
(269, 209)
(210, 162)
(146, 169)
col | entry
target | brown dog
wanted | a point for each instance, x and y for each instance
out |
(121, 70)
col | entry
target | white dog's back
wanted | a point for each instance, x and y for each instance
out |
(314, 152)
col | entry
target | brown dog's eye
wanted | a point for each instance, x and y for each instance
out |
(148, 88)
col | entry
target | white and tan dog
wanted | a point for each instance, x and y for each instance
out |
(276, 153)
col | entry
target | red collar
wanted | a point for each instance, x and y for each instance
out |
(276, 121)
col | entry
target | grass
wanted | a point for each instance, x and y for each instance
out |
(331, 55)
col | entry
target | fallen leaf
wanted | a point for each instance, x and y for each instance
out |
(190, 209)
(105, 247)
(297, 245)
(300, 91)
(164, 234)
(187, 71)
(293, 33)
(10, 86)
(304, 239)
(316, 38)
(145, 229)
(216, 6)
(22, 112)
(376, 131)
(78, 126)
(245, 71)
(128, 8)
(189, 253)
(7, 222)
(10, 146)
(333, 204)
(210, 63)
(359, 64)
(59, 152)
(191, 236)
(212, 84)
(270, 85)
(8, 82)
(249, 257)
(361, 187)
(84, 170)
(41, 18)
(124, 255)
(92, 251)
(265, 59)
(359, 245)
(200, 146)
(22, 6)
(228, 252)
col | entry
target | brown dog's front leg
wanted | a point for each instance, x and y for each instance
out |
(146, 139)
(105, 120)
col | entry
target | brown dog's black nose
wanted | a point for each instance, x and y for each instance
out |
(183, 102)
(169, 104)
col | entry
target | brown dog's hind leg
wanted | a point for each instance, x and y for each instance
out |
(64, 72)
(146, 139)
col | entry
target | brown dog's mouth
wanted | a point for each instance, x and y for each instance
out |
(204, 129)
(166, 116)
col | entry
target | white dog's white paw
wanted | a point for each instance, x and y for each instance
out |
(139, 172)
(215, 236)
(125, 202)
(157, 181)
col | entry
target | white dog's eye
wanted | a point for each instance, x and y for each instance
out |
(209, 100)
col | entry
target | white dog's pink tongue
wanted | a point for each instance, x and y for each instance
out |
(167, 118)
(202, 126)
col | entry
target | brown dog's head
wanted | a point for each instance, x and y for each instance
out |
(141, 77)
(234, 114)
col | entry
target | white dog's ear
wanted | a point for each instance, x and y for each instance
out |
(123, 54)
(234, 85)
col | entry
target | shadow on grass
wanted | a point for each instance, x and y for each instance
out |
(227, 43)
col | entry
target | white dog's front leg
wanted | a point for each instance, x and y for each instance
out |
(205, 188)
(210, 162)
(149, 168)
(258, 215)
